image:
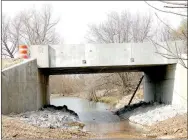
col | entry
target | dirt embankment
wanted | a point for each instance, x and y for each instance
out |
(172, 128)
(48, 122)
(175, 127)
(14, 128)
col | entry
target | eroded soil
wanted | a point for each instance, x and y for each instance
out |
(175, 127)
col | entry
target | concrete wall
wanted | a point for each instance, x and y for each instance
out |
(24, 88)
(166, 84)
(85, 55)
(41, 53)
(180, 88)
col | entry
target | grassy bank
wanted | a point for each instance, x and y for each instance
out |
(112, 100)
(120, 100)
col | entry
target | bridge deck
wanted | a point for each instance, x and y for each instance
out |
(98, 69)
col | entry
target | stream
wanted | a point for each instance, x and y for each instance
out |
(97, 116)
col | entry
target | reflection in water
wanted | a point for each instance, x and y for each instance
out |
(78, 104)
(121, 126)
(96, 116)
(104, 127)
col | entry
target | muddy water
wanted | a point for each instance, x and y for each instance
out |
(98, 117)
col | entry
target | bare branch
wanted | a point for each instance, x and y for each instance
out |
(174, 7)
(172, 55)
(28, 27)
(165, 11)
(174, 3)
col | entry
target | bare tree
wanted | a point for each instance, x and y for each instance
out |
(66, 84)
(120, 28)
(39, 27)
(10, 36)
(30, 27)
(114, 30)
(141, 27)
(172, 34)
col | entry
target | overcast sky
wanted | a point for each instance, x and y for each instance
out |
(76, 15)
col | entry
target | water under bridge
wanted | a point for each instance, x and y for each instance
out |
(25, 86)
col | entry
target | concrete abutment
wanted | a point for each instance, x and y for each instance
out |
(166, 84)
(24, 88)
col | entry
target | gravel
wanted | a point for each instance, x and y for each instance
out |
(153, 113)
(50, 119)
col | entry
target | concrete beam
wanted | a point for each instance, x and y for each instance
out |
(113, 54)
(41, 53)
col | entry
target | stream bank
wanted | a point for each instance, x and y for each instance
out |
(51, 116)
(149, 113)
(73, 115)
(14, 128)
(79, 118)
(160, 120)
(48, 122)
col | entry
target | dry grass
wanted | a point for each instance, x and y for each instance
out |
(9, 62)
(140, 94)
(112, 100)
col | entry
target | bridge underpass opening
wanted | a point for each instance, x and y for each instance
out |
(108, 85)
(93, 96)
(84, 85)
(158, 82)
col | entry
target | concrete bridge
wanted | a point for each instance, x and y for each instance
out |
(25, 86)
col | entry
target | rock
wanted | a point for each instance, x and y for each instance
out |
(52, 127)
(15, 135)
(25, 116)
(51, 117)
(149, 113)
(151, 135)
